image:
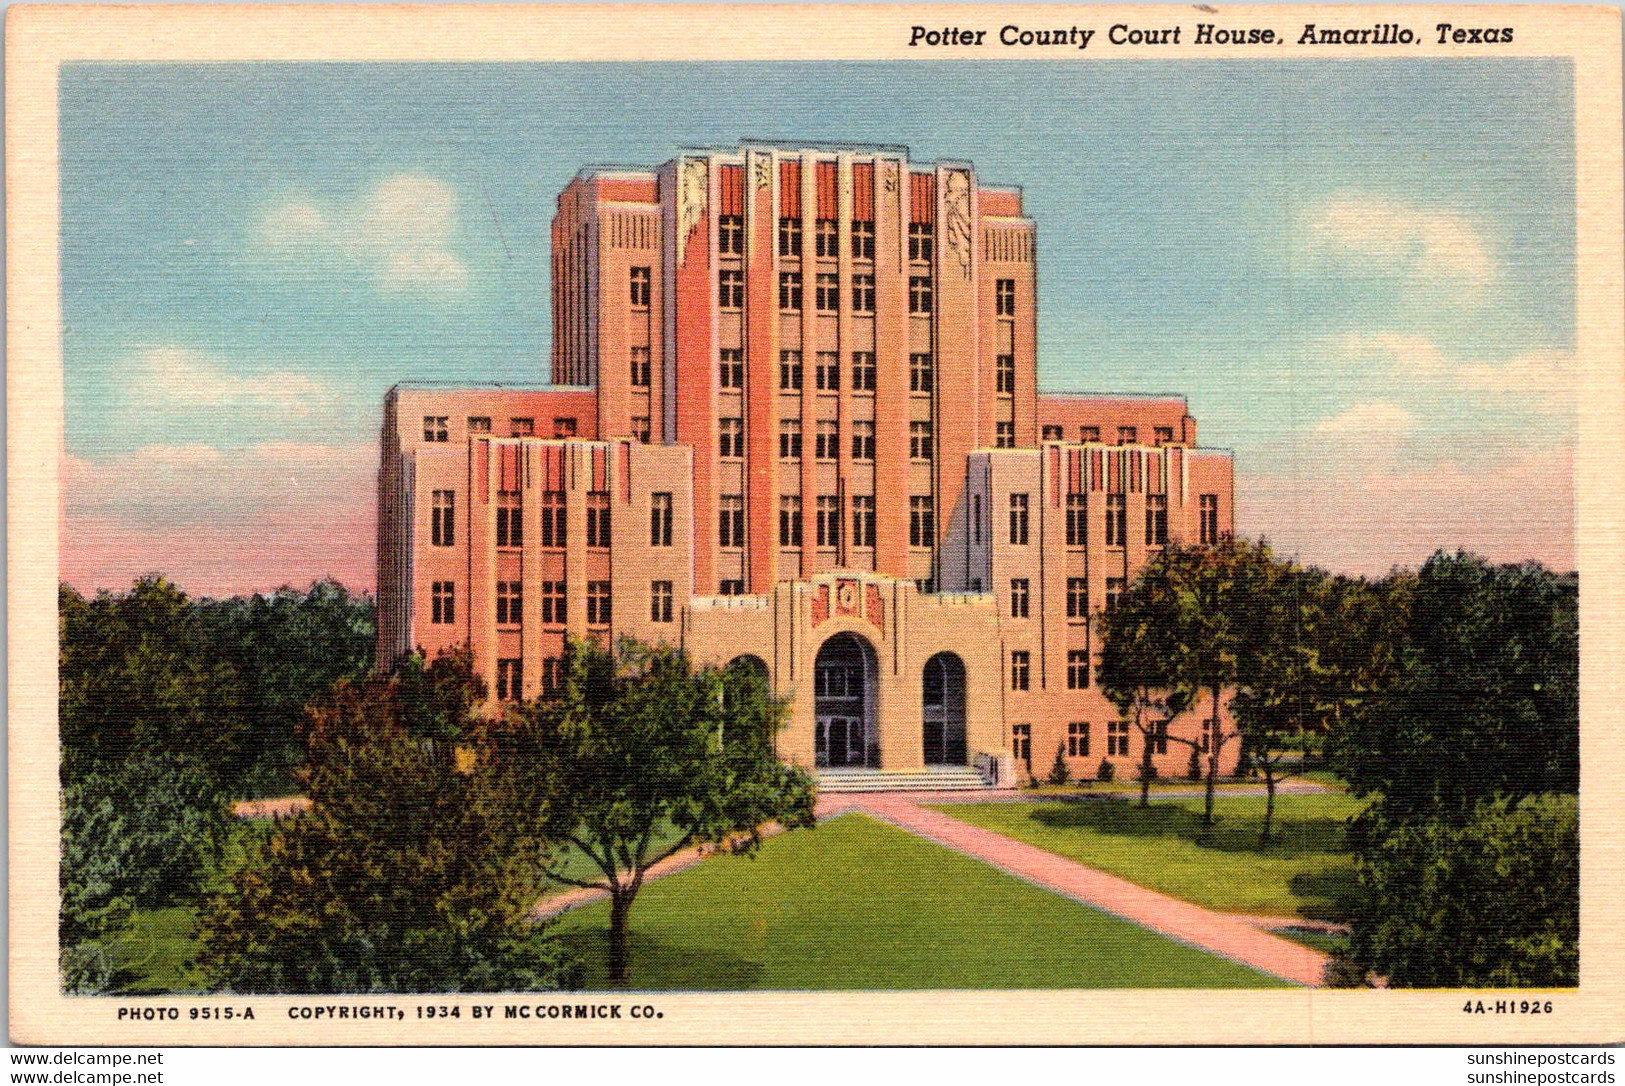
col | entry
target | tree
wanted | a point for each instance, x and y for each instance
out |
(1059, 774)
(643, 756)
(1136, 669)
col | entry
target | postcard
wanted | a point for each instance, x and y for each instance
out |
(828, 525)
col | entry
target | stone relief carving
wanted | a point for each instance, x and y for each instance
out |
(691, 185)
(958, 224)
(764, 171)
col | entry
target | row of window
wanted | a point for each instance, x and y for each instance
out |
(827, 521)
(1077, 597)
(510, 603)
(510, 522)
(1077, 509)
(1117, 739)
(826, 290)
(826, 234)
(826, 440)
(436, 427)
(1126, 435)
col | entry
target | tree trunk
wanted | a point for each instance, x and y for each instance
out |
(1145, 777)
(1212, 761)
(620, 958)
(1269, 801)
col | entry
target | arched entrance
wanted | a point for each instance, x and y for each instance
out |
(844, 732)
(942, 710)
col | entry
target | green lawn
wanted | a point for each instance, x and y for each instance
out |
(1164, 846)
(855, 904)
(156, 949)
(1326, 942)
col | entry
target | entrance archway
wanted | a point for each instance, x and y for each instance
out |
(844, 675)
(942, 710)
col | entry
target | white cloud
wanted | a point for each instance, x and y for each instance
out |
(187, 378)
(1367, 420)
(1542, 380)
(1544, 377)
(1390, 237)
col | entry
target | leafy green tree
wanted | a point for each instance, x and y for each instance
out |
(642, 756)
(1136, 669)
(1059, 774)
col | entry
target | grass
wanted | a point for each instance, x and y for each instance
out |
(156, 949)
(1165, 847)
(855, 904)
(1325, 942)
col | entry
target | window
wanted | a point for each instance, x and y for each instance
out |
(976, 584)
(1127, 435)
(922, 520)
(827, 371)
(730, 234)
(1005, 367)
(1117, 737)
(1077, 669)
(510, 521)
(510, 680)
(731, 587)
(443, 519)
(863, 440)
(553, 518)
(1021, 667)
(824, 237)
(553, 609)
(789, 237)
(863, 239)
(1114, 592)
(479, 424)
(564, 427)
(1077, 520)
(1157, 737)
(443, 602)
(640, 367)
(598, 518)
(825, 440)
(863, 520)
(789, 439)
(731, 288)
(1088, 433)
(829, 521)
(598, 603)
(863, 371)
(1208, 508)
(1077, 599)
(790, 290)
(640, 428)
(790, 521)
(510, 603)
(921, 373)
(926, 586)
(521, 427)
(730, 438)
(919, 294)
(919, 441)
(1156, 520)
(1164, 435)
(1004, 297)
(660, 519)
(1207, 735)
(976, 518)
(1021, 744)
(640, 288)
(790, 371)
(1077, 740)
(921, 241)
(1116, 520)
(552, 674)
(1018, 519)
(731, 521)
(863, 294)
(1054, 433)
(730, 367)
(1004, 435)
(826, 292)
(1020, 595)
(659, 601)
(434, 428)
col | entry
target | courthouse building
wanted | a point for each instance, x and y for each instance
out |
(795, 424)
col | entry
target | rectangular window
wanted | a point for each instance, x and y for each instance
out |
(731, 235)
(1208, 529)
(510, 519)
(829, 521)
(731, 587)
(1077, 669)
(564, 427)
(863, 371)
(863, 520)
(825, 440)
(1088, 433)
(640, 367)
(510, 680)
(553, 606)
(1156, 520)
(826, 292)
(1021, 667)
(790, 371)
(1164, 435)
(921, 373)
(824, 237)
(510, 603)
(1157, 737)
(1128, 435)
(790, 521)
(1018, 519)
(553, 518)
(1005, 370)
(1077, 519)
(1114, 592)
(731, 367)
(1077, 599)
(443, 519)
(479, 424)
(921, 242)
(922, 521)
(919, 294)
(434, 428)
(1004, 297)
(863, 294)
(730, 438)
(660, 519)
(976, 519)
(789, 237)
(521, 427)
(443, 602)
(640, 288)
(920, 443)
(1116, 520)
(789, 439)
(827, 371)
(1053, 433)
(1117, 737)
(1020, 596)
(926, 586)
(790, 291)
(1004, 435)
(659, 601)
(731, 521)
(598, 613)
(1021, 744)
(552, 675)
(863, 239)
(976, 584)
(731, 288)
(863, 440)
(640, 428)
(598, 518)
(1077, 740)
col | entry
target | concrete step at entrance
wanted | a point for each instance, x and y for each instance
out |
(945, 778)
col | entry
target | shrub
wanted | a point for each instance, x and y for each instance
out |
(1106, 772)
(1059, 774)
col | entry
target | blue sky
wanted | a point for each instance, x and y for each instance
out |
(1361, 273)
